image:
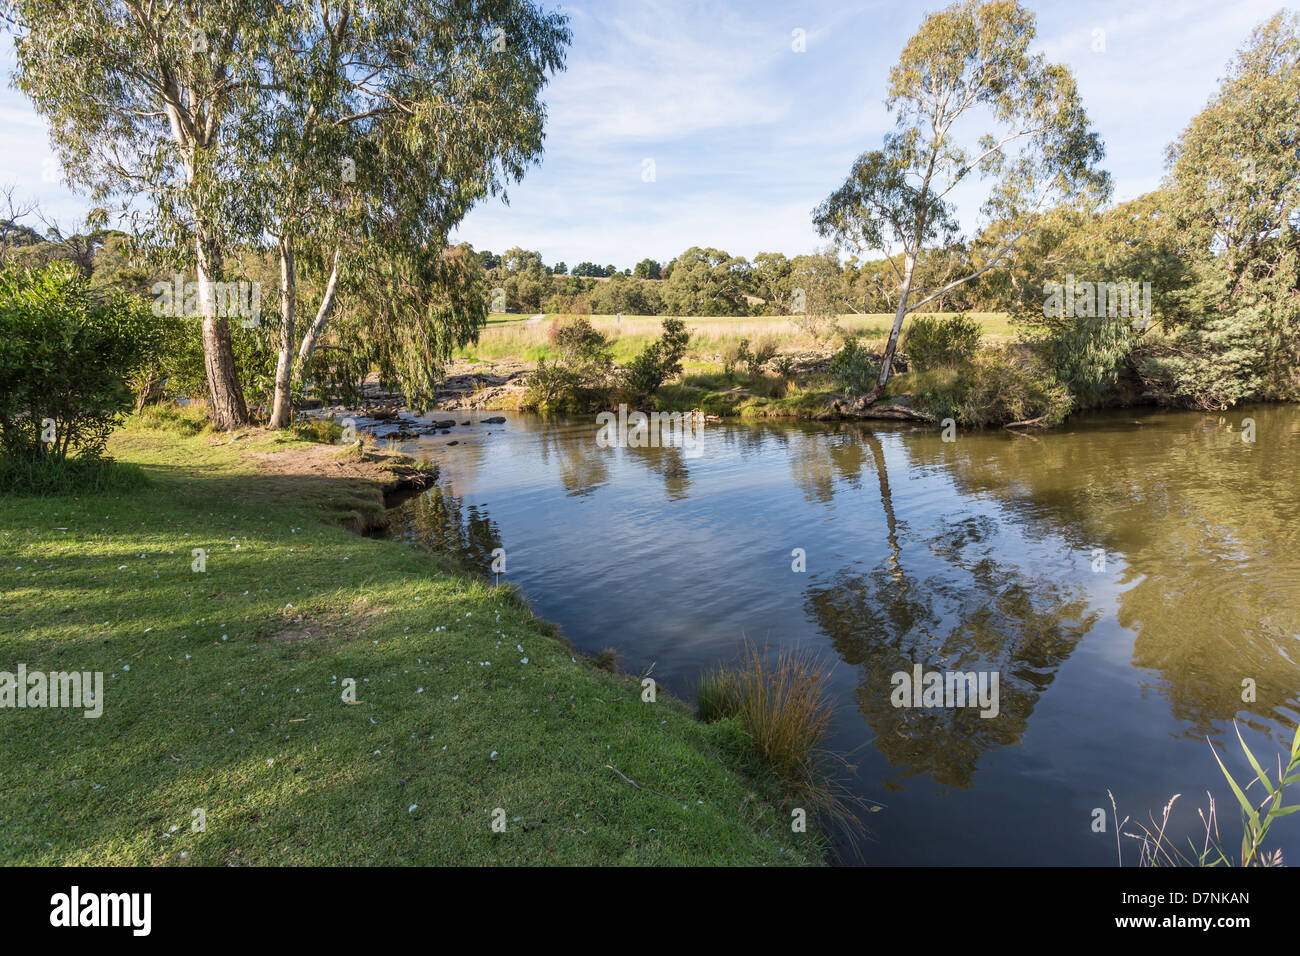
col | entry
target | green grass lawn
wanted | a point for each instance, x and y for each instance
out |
(223, 692)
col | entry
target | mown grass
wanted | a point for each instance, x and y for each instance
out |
(223, 692)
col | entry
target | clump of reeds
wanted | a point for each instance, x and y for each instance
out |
(779, 698)
(1257, 816)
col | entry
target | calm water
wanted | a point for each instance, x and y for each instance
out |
(982, 554)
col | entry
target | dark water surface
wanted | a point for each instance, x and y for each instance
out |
(981, 554)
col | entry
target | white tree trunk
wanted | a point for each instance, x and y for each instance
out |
(282, 408)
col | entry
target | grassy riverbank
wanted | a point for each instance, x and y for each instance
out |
(222, 689)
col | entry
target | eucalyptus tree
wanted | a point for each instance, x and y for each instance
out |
(140, 97)
(387, 121)
(1234, 192)
(968, 67)
(353, 130)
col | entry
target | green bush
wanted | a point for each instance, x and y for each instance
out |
(1229, 360)
(853, 369)
(67, 357)
(580, 378)
(323, 431)
(765, 349)
(658, 361)
(934, 341)
(188, 421)
(733, 354)
(1011, 384)
(938, 392)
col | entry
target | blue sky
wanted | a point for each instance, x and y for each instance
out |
(745, 134)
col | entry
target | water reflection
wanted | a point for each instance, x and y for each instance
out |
(444, 523)
(974, 555)
(1201, 534)
(976, 617)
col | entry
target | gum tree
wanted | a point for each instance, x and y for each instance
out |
(1234, 192)
(388, 121)
(225, 125)
(967, 68)
(140, 97)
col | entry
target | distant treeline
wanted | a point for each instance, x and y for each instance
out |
(705, 281)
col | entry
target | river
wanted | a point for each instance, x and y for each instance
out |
(1133, 579)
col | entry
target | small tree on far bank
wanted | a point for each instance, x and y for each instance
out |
(967, 64)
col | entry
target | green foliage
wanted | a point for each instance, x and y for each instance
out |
(1010, 384)
(707, 282)
(934, 341)
(1257, 818)
(939, 392)
(580, 378)
(629, 296)
(274, 131)
(658, 361)
(186, 422)
(1235, 189)
(778, 697)
(764, 350)
(419, 310)
(46, 476)
(853, 368)
(322, 431)
(65, 360)
(969, 68)
(734, 354)
(1213, 367)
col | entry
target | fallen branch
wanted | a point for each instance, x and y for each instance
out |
(637, 785)
(1040, 422)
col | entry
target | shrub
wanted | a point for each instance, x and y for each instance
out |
(939, 392)
(1011, 385)
(66, 359)
(784, 367)
(764, 351)
(934, 341)
(323, 431)
(48, 475)
(853, 369)
(733, 354)
(658, 361)
(187, 421)
(1230, 359)
(580, 377)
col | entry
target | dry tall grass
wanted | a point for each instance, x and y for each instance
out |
(518, 338)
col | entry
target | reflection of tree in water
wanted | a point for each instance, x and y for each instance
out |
(670, 464)
(582, 463)
(443, 523)
(1202, 531)
(817, 458)
(987, 617)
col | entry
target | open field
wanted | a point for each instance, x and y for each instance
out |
(509, 336)
(223, 689)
